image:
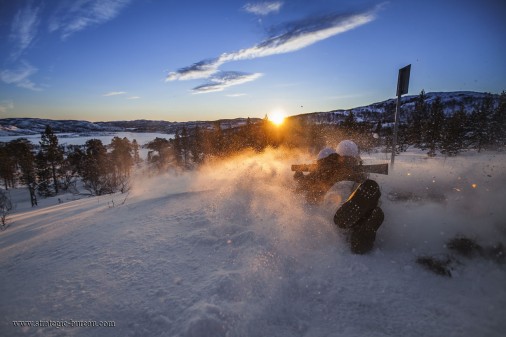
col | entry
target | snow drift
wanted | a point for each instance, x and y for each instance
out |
(230, 250)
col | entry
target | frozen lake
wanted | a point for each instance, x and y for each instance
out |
(105, 137)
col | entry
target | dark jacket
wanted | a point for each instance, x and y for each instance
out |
(329, 171)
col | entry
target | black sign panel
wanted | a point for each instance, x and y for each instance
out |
(403, 80)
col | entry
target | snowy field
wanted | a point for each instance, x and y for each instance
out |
(231, 251)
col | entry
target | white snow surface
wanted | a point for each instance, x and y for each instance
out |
(230, 250)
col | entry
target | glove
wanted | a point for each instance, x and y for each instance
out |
(298, 175)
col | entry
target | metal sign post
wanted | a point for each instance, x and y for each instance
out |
(402, 88)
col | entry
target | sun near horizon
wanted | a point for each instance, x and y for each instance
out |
(277, 117)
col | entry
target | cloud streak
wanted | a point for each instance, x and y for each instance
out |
(294, 36)
(114, 93)
(225, 79)
(20, 76)
(79, 15)
(24, 29)
(263, 8)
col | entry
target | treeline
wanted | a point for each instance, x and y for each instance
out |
(429, 129)
(50, 168)
(190, 148)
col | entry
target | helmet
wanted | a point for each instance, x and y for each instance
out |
(325, 153)
(347, 148)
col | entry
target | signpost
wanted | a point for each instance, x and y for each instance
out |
(402, 88)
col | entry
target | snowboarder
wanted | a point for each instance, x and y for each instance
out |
(360, 216)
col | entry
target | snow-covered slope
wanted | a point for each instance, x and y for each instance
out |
(231, 251)
(451, 101)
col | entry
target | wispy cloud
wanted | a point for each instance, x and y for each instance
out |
(114, 93)
(133, 97)
(236, 95)
(295, 36)
(224, 80)
(20, 76)
(73, 17)
(24, 29)
(202, 69)
(263, 8)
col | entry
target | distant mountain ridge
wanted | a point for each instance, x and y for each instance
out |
(373, 112)
(385, 110)
(30, 126)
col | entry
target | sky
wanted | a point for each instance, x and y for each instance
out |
(102, 60)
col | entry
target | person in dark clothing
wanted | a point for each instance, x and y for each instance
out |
(359, 216)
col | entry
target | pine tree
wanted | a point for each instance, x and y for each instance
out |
(122, 156)
(135, 148)
(95, 168)
(51, 153)
(185, 148)
(498, 122)
(350, 124)
(7, 164)
(434, 131)
(122, 161)
(177, 145)
(417, 122)
(75, 159)
(43, 174)
(453, 140)
(480, 123)
(26, 162)
(217, 140)
(160, 149)
(196, 148)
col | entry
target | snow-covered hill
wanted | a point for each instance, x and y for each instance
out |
(231, 251)
(30, 126)
(27, 126)
(451, 101)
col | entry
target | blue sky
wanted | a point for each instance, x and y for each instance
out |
(205, 60)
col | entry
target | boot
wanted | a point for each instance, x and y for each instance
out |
(363, 234)
(361, 202)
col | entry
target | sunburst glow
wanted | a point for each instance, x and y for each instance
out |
(277, 117)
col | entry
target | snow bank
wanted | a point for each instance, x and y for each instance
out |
(431, 200)
(230, 250)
